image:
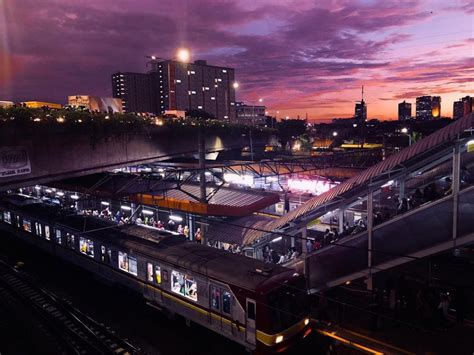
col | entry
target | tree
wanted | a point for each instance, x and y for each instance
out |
(200, 115)
(288, 129)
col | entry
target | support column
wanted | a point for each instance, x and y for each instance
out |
(370, 225)
(402, 187)
(341, 220)
(304, 250)
(455, 187)
(202, 176)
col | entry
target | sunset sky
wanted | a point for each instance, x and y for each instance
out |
(299, 56)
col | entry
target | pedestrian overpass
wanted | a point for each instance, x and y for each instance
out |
(371, 231)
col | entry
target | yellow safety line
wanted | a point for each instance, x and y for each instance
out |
(380, 342)
(349, 342)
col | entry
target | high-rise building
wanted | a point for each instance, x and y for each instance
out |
(249, 114)
(462, 107)
(360, 115)
(174, 85)
(436, 107)
(404, 111)
(136, 92)
(428, 107)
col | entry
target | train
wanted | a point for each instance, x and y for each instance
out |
(263, 307)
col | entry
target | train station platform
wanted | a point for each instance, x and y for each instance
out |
(417, 202)
(184, 197)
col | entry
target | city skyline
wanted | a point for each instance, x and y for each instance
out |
(299, 57)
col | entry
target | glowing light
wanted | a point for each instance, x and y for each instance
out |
(159, 122)
(404, 130)
(239, 179)
(306, 321)
(183, 55)
(235, 85)
(334, 134)
(278, 339)
(105, 203)
(126, 208)
(316, 187)
(276, 239)
(60, 119)
(147, 212)
(176, 218)
(153, 57)
(75, 197)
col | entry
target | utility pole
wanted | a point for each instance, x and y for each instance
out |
(202, 164)
(202, 174)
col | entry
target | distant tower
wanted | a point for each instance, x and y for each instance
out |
(404, 111)
(462, 107)
(360, 115)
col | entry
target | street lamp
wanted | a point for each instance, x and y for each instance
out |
(235, 85)
(334, 134)
(404, 130)
(183, 55)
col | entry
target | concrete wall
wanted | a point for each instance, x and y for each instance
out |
(55, 154)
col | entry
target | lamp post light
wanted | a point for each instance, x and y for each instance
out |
(334, 134)
(183, 55)
(405, 130)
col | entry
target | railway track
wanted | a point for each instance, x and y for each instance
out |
(72, 331)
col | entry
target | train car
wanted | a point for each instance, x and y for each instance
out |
(261, 306)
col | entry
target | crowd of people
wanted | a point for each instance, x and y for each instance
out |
(120, 219)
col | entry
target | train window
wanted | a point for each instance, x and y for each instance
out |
(58, 236)
(38, 229)
(184, 285)
(165, 275)
(132, 266)
(158, 274)
(123, 261)
(47, 234)
(250, 310)
(149, 272)
(86, 246)
(7, 217)
(215, 298)
(70, 240)
(105, 254)
(226, 302)
(26, 225)
(17, 221)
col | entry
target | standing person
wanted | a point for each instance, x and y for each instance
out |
(180, 229)
(186, 231)
(443, 309)
(171, 225)
(197, 235)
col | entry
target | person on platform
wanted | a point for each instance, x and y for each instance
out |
(198, 236)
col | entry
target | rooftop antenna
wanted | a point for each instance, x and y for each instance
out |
(362, 92)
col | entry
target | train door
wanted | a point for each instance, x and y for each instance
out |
(215, 306)
(250, 319)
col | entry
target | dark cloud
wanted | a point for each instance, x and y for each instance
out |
(292, 52)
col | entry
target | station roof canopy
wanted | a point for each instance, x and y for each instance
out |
(224, 201)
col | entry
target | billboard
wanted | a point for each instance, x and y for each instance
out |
(14, 161)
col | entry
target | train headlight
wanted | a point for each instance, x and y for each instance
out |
(278, 339)
(306, 321)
